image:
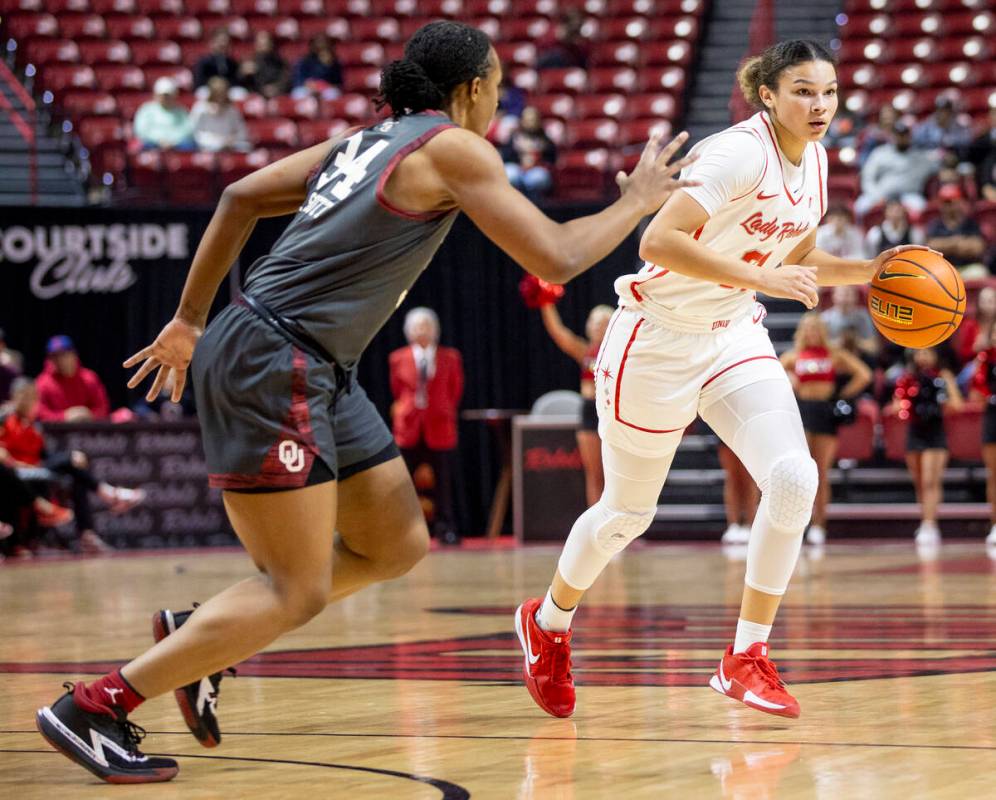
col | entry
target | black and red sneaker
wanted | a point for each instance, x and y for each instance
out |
(104, 742)
(198, 701)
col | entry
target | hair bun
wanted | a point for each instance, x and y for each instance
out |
(405, 84)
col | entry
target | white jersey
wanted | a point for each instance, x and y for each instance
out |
(759, 206)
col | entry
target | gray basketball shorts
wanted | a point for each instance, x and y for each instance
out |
(272, 417)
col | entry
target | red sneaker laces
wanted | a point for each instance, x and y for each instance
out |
(560, 664)
(768, 670)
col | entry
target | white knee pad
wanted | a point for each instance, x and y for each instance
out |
(599, 534)
(792, 484)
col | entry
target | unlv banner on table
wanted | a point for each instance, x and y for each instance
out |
(109, 278)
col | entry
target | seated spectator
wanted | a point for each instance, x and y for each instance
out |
(895, 171)
(266, 72)
(879, 132)
(844, 130)
(163, 122)
(22, 439)
(569, 47)
(983, 155)
(839, 236)
(22, 511)
(10, 358)
(848, 319)
(529, 156)
(511, 104)
(319, 72)
(958, 235)
(942, 130)
(894, 229)
(217, 62)
(216, 123)
(68, 392)
(973, 336)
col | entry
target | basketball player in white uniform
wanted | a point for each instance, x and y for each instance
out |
(688, 339)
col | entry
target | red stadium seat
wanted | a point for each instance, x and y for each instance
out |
(47, 51)
(583, 173)
(592, 133)
(128, 104)
(525, 78)
(190, 177)
(107, 51)
(235, 166)
(674, 28)
(301, 8)
(894, 436)
(293, 107)
(155, 53)
(517, 53)
(554, 105)
(657, 105)
(206, 8)
(667, 79)
(96, 132)
(237, 27)
(117, 78)
(130, 27)
(487, 8)
(620, 53)
(855, 441)
(590, 106)
(88, 103)
(183, 77)
(375, 29)
(28, 26)
(105, 7)
(145, 172)
(612, 79)
(55, 6)
(354, 54)
(179, 28)
(964, 431)
(162, 8)
(638, 131)
(526, 28)
(351, 107)
(59, 77)
(362, 79)
(281, 28)
(348, 8)
(570, 79)
(662, 53)
(273, 132)
(534, 8)
(314, 131)
(82, 26)
(337, 28)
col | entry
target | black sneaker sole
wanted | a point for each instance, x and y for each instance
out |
(162, 626)
(62, 739)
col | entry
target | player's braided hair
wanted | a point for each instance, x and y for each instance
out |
(439, 57)
(766, 69)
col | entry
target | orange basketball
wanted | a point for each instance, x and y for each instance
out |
(917, 299)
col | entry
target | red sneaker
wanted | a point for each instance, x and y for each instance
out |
(752, 678)
(547, 667)
(49, 515)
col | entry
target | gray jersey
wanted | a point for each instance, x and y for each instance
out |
(348, 258)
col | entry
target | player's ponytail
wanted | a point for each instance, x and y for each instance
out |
(767, 68)
(439, 57)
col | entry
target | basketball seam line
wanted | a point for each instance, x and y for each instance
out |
(916, 300)
(931, 275)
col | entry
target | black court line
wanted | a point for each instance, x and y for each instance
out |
(450, 791)
(612, 739)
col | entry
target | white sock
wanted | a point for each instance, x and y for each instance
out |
(551, 617)
(748, 633)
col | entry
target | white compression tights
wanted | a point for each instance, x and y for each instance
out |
(761, 425)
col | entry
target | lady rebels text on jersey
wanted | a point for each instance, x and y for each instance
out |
(759, 207)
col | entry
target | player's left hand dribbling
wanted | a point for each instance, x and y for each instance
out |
(879, 261)
(171, 353)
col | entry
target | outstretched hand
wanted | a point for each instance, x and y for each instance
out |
(652, 181)
(171, 353)
(876, 264)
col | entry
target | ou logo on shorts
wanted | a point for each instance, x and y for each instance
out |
(291, 455)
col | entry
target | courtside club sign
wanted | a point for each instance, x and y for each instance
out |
(89, 259)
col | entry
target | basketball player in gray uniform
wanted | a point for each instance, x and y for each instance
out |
(313, 484)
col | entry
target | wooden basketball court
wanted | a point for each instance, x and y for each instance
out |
(410, 690)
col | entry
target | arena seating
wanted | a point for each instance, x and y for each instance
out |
(99, 59)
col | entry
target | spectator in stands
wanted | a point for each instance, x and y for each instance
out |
(569, 48)
(839, 236)
(922, 395)
(847, 318)
(942, 130)
(879, 132)
(844, 131)
(894, 229)
(511, 104)
(982, 153)
(22, 510)
(218, 62)
(427, 385)
(816, 368)
(983, 388)
(974, 333)
(22, 439)
(68, 392)
(266, 72)
(895, 171)
(958, 235)
(163, 122)
(529, 156)
(320, 71)
(10, 358)
(216, 123)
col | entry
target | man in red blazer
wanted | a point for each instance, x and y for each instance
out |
(427, 384)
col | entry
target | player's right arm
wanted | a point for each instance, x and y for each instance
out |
(473, 177)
